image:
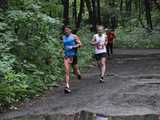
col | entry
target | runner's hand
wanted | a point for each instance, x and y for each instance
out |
(69, 47)
(76, 46)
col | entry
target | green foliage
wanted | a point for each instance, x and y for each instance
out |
(85, 53)
(30, 58)
(137, 38)
(53, 8)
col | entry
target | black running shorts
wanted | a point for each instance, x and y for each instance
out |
(75, 60)
(100, 56)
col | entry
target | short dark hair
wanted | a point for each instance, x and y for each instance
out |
(67, 26)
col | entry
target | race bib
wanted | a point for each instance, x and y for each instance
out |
(100, 46)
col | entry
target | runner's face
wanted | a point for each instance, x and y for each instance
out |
(100, 31)
(67, 31)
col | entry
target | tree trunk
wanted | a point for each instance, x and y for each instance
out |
(148, 13)
(121, 5)
(75, 11)
(136, 5)
(113, 22)
(94, 17)
(128, 7)
(80, 14)
(140, 14)
(89, 7)
(98, 12)
(66, 12)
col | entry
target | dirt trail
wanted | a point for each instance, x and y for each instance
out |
(132, 87)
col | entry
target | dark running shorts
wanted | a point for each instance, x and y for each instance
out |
(99, 56)
(75, 60)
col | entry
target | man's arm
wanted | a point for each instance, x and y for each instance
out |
(78, 42)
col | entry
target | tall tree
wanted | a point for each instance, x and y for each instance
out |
(89, 7)
(140, 13)
(121, 5)
(75, 10)
(66, 12)
(98, 12)
(80, 14)
(113, 22)
(128, 7)
(94, 17)
(147, 4)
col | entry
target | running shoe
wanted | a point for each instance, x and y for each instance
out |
(101, 80)
(67, 90)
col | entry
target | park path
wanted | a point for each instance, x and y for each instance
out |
(132, 87)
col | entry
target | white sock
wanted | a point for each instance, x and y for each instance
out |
(67, 85)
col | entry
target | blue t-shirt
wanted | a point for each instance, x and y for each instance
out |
(68, 42)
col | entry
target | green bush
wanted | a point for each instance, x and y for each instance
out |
(85, 53)
(137, 38)
(30, 55)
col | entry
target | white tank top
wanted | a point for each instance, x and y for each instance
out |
(100, 46)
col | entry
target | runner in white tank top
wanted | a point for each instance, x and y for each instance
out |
(99, 41)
